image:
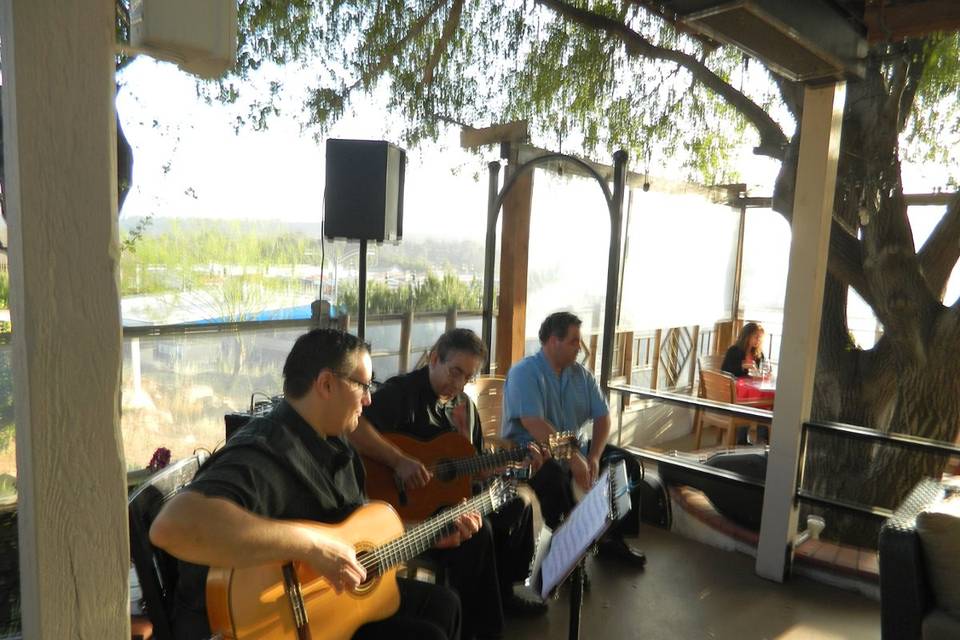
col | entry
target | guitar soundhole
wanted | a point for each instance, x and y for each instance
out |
(373, 574)
(445, 471)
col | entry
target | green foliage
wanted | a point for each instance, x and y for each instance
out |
(491, 62)
(129, 239)
(4, 290)
(937, 103)
(434, 293)
(188, 255)
(6, 399)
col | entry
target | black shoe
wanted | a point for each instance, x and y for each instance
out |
(518, 605)
(619, 549)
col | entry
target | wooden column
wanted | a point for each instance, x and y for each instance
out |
(59, 137)
(406, 333)
(514, 253)
(810, 240)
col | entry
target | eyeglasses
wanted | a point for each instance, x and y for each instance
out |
(365, 387)
(459, 374)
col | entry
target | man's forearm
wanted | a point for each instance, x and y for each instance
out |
(370, 443)
(540, 429)
(216, 532)
(601, 431)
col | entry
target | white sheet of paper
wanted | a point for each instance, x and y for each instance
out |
(570, 541)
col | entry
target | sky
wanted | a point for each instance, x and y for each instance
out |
(190, 161)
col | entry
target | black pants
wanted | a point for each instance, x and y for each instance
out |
(472, 573)
(552, 486)
(427, 611)
(513, 543)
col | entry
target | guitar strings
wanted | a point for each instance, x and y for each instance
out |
(493, 460)
(422, 536)
(394, 551)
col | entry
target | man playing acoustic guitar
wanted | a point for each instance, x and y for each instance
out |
(295, 464)
(551, 391)
(429, 403)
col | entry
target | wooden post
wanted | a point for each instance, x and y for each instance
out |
(627, 361)
(514, 254)
(592, 361)
(626, 355)
(656, 358)
(810, 240)
(695, 354)
(451, 321)
(406, 332)
(60, 167)
(738, 266)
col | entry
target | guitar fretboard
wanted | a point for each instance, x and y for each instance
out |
(426, 534)
(471, 466)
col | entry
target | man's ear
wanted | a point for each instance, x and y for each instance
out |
(324, 383)
(434, 358)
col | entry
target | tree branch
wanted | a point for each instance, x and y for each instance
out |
(772, 139)
(386, 59)
(940, 252)
(905, 82)
(449, 28)
(845, 261)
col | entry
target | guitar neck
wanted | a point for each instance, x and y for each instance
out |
(425, 535)
(476, 464)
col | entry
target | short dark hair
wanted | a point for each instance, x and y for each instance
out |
(460, 340)
(557, 324)
(318, 350)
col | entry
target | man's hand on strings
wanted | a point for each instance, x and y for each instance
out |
(465, 526)
(412, 473)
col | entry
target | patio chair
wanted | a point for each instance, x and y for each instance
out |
(720, 386)
(490, 407)
(157, 570)
(712, 361)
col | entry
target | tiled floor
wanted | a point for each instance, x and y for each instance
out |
(692, 591)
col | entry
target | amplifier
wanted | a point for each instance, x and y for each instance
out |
(235, 420)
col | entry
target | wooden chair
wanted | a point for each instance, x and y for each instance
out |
(157, 570)
(720, 386)
(489, 399)
(712, 361)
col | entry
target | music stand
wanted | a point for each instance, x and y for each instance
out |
(565, 551)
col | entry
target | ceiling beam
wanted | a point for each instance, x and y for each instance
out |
(893, 23)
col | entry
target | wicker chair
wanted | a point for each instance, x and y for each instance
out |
(906, 598)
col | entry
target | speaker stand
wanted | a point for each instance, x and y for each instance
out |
(362, 292)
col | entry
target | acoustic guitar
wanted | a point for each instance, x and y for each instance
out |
(453, 462)
(280, 602)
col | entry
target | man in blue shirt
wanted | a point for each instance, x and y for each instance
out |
(550, 392)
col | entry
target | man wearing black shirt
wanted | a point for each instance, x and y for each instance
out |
(294, 464)
(424, 404)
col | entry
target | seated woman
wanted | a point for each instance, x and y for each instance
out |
(746, 352)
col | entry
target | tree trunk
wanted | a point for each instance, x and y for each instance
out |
(906, 382)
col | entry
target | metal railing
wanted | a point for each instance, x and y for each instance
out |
(851, 432)
(846, 431)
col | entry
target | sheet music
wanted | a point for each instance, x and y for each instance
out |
(571, 540)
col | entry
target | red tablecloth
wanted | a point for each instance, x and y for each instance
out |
(755, 389)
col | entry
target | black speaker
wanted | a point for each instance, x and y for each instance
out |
(363, 196)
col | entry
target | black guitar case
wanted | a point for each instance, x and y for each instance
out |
(654, 500)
